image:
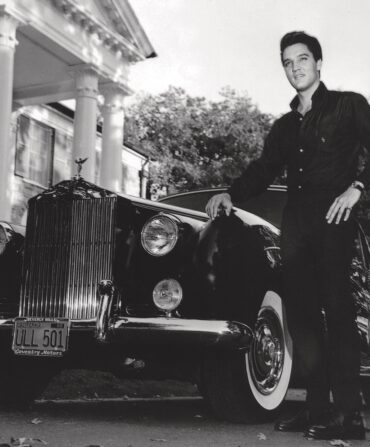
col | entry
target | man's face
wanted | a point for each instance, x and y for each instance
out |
(300, 67)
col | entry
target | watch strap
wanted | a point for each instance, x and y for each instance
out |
(358, 185)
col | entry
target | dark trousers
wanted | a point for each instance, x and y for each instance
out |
(316, 264)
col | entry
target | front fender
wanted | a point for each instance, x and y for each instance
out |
(232, 260)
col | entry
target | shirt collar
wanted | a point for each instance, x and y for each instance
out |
(318, 96)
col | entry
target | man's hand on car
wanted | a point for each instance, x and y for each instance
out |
(217, 203)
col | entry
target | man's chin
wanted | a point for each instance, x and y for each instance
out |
(301, 85)
(298, 85)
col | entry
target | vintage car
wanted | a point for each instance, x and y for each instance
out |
(101, 278)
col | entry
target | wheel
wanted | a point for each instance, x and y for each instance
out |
(240, 386)
(22, 380)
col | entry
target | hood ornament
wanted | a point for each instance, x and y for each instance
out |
(79, 162)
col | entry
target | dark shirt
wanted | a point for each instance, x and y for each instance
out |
(320, 149)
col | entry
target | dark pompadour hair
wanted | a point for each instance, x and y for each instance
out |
(301, 37)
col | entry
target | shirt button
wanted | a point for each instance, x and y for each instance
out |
(299, 186)
(301, 118)
(300, 150)
(300, 170)
(323, 139)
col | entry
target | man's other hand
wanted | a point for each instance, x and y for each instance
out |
(217, 203)
(342, 205)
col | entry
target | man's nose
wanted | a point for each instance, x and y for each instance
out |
(296, 66)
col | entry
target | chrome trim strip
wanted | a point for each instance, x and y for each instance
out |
(82, 324)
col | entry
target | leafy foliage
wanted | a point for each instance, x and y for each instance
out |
(193, 142)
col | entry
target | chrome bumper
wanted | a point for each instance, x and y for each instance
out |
(157, 330)
(162, 330)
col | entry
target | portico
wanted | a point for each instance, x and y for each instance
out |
(53, 50)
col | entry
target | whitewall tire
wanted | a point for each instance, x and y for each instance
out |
(241, 387)
(270, 359)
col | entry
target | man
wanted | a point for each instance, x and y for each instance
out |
(318, 142)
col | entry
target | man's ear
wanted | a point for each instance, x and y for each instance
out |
(318, 64)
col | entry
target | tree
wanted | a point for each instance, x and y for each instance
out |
(195, 142)
(234, 132)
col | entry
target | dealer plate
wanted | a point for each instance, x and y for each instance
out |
(46, 337)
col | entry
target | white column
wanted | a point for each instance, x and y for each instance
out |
(144, 177)
(84, 134)
(8, 42)
(113, 119)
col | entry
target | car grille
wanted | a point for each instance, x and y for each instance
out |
(69, 249)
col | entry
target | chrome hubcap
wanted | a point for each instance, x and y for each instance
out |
(266, 357)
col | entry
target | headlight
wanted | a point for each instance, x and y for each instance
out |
(167, 294)
(159, 235)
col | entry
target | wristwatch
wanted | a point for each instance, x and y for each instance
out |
(358, 185)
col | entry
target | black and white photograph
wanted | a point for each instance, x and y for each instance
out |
(184, 223)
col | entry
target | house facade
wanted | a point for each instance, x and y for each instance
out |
(56, 50)
(42, 144)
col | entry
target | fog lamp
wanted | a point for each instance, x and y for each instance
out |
(159, 235)
(167, 294)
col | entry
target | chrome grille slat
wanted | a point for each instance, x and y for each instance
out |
(69, 249)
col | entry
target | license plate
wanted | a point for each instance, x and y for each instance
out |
(46, 337)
